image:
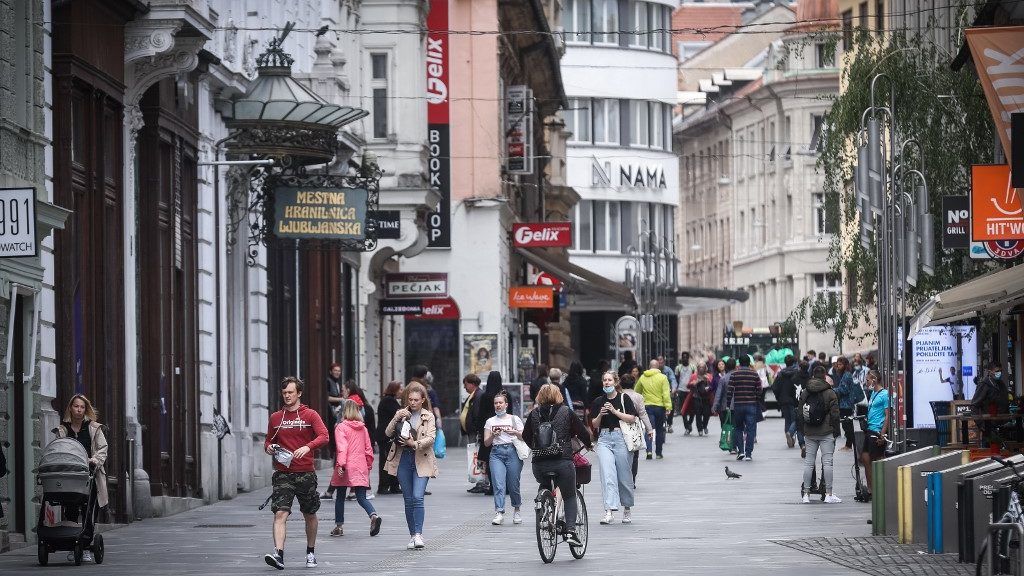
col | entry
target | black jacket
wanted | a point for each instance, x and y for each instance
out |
(566, 424)
(473, 425)
(386, 409)
(784, 386)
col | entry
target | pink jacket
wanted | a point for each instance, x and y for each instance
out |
(355, 453)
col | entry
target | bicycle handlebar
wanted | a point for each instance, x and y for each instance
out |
(1009, 464)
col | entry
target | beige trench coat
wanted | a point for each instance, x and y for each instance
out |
(426, 463)
(98, 457)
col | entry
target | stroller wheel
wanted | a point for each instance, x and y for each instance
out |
(97, 548)
(44, 554)
(78, 553)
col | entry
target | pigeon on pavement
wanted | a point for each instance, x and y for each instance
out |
(730, 474)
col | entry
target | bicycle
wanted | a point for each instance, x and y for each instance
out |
(861, 492)
(1000, 552)
(550, 524)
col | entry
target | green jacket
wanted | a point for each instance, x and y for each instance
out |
(654, 387)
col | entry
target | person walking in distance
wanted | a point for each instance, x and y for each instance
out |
(696, 408)
(818, 416)
(683, 370)
(744, 394)
(352, 469)
(654, 386)
(411, 457)
(294, 433)
(616, 469)
(673, 385)
(626, 385)
(784, 388)
(849, 395)
(505, 466)
(332, 416)
(721, 405)
(386, 409)
(879, 411)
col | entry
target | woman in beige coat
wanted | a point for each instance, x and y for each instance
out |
(80, 423)
(411, 458)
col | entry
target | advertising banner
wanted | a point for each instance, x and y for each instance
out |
(519, 130)
(17, 222)
(531, 297)
(627, 337)
(320, 213)
(996, 212)
(389, 223)
(542, 234)
(480, 354)
(436, 309)
(416, 285)
(956, 222)
(998, 54)
(439, 223)
(400, 307)
(938, 372)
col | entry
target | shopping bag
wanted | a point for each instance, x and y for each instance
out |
(475, 467)
(440, 448)
(725, 440)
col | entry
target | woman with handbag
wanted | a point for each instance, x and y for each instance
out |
(557, 458)
(501, 432)
(411, 457)
(626, 385)
(619, 432)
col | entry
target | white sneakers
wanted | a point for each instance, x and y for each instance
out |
(807, 499)
(416, 543)
(310, 560)
(499, 517)
(832, 499)
(609, 517)
(517, 518)
(627, 516)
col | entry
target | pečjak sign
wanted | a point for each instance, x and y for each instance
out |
(320, 213)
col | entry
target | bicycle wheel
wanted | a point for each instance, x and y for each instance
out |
(581, 526)
(1006, 552)
(547, 532)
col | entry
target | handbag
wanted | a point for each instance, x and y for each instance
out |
(440, 447)
(522, 450)
(725, 439)
(632, 432)
(474, 466)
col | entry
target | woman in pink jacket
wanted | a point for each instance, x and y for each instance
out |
(354, 461)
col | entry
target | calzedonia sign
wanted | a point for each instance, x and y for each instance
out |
(320, 213)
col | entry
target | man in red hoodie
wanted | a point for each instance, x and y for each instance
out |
(298, 429)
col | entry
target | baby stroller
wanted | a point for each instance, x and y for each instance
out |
(68, 482)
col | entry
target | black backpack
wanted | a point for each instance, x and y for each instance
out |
(815, 409)
(546, 442)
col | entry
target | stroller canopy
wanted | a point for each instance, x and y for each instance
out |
(64, 455)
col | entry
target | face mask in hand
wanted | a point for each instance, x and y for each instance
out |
(608, 389)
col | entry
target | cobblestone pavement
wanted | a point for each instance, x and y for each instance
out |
(881, 556)
(688, 519)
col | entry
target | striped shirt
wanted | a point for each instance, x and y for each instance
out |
(744, 386)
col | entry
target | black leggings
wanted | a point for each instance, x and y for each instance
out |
(847, 425)
(565, 482)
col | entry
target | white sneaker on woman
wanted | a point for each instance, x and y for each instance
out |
(609, 517)
(412, 543)
(832, 499)
(418, 542)
(627, 516)
(517, 518)
(499, 517)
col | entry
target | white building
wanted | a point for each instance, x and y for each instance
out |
(621, 89)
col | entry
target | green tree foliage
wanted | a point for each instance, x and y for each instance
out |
(944, 110)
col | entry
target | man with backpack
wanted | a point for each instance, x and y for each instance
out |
(818, 417)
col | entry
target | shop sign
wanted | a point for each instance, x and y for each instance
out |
(519, 130)
(436, 309)
(531, 297)
(400, 307)
(17, 222)
(439, 222)
(389, 223)
(1005, 249)
(956, 222)
(542, 234)
(321, 213)
(627, 332)
(998, 54)
(996, 212)
(628, 175)
(416, 285)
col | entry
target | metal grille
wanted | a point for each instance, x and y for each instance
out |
(880, 556)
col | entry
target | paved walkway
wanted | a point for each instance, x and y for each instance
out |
(688, 518)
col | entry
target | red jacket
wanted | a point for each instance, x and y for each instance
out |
(294, 429)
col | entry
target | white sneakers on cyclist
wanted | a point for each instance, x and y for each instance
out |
(499, 517)
(609, 517)
(832, 499)
(807, 499)
(627, 516)
(572, 539)
(517, 518)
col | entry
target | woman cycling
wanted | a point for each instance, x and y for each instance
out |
(504, 465)
(566, 424)
(616, 461)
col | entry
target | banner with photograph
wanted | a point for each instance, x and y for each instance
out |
(480, 354)
(938, 373)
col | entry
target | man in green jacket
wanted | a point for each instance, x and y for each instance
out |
(654, 387)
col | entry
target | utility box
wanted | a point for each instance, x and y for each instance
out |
(974, 506)
(911, 510)
(883, 489)
(942, 505)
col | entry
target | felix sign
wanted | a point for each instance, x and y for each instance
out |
(542, 234)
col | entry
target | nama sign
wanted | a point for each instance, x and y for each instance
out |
(531, 297)
(542, 234)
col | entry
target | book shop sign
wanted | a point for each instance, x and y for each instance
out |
(321, 213)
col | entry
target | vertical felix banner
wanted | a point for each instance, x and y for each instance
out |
(439, 226)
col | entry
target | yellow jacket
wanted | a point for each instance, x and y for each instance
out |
(654, 387)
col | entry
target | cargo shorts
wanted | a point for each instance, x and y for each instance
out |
(291, 485)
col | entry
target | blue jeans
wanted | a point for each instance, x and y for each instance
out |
(616, 470)
(657, 416)
(791, 426)
(744, 418)
(413, 489)
(505, 468)
(339, 503)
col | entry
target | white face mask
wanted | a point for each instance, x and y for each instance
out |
(501, 412)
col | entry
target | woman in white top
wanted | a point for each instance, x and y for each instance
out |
(504, 465)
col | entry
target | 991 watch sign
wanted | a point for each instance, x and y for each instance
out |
(18, 223)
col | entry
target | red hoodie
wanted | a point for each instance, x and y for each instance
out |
(294, 429)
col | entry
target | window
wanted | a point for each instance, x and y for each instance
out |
(641, 123)
(657, 125)
(657, 28)
(577, 120)
(817, 132)
(576, 21)
(825, 221)
(828, 286)
(606, 21)
(585, 226)
(787, 137)
(627, 228)
(847, 29)
(23, 65)
(640, 38)
(600, 226)
(879, 17)
(862, 16)
(824, 57)
(379, 85)
(614, 226)
(606, 121)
